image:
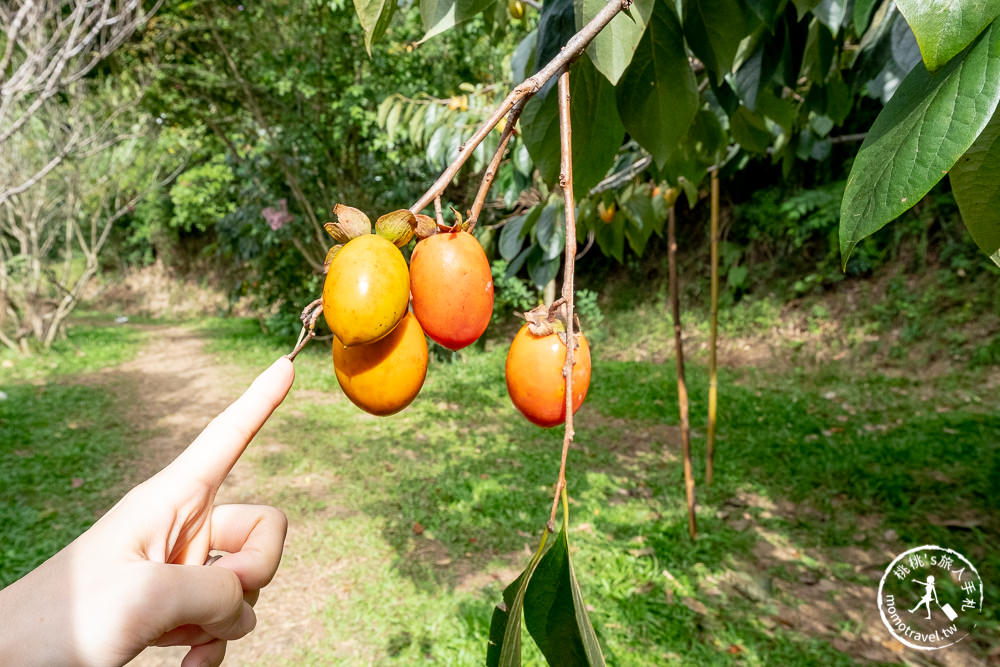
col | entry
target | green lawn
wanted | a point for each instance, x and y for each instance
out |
(831, 456)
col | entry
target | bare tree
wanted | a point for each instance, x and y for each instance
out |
(52, 234)
(47, 47)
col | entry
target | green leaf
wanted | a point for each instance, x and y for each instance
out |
(612, 49)
(750, 131)
(550, 232)
(555, 614)
(643, 220)
(441, 15)
(374, 16)
(831, 13)
(513, 233)
(714, 30)
(522, 62)
(541, 271)
(555, 26)
(944, 27)
(927, 125)
(597, 129)
(658, 96)
(766, 10)
(975, 182)
(862, 14)
(610, 236)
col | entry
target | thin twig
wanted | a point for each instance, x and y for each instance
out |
(491, 170)
(310, 314)
(566, 183)
(713, 334)
(682, 396)
(572, 50)
(437, 211)
(623, 176)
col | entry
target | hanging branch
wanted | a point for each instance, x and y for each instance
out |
(566, 183)
(491, 170)
(714, 330)
(524, 90)
(512, 104)
(682, 396)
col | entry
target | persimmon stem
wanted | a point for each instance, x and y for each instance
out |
(491, 170)
(569, 267)
(520, 94)
(310, 315)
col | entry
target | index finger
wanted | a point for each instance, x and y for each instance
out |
(213, 453)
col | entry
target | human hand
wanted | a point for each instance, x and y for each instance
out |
(138, 577)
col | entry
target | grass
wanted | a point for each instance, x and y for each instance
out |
(414, 523)
(64, 446)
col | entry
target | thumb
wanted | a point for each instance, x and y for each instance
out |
(210, 597)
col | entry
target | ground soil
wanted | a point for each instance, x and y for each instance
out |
(176, 388)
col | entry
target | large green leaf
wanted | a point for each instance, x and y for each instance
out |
(975, 181)
(555, 614)
(944, 27)
(714, 30)
(931, 120)
(613, 47)
(441, 15)
(831, 13)
(597, 129)
(504, 647)
(658, 96)
(374, 16)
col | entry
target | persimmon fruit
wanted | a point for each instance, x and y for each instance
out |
(385, 376)
(606, 212)
(367, 290)
(534, 376)
(452, 288)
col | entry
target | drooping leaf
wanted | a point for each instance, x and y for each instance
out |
(522, 61)
(944, 27)
(705, 145)
(513, 233)
(555, 26)
(541, 271)
(749, 130)
(610, 236)
(611, 50)
(766, 10)
(658, 95)
(923, 130)
(831, 13)
(975, 181)
(862, 14)
(643, 219)
(555, 614)
(597, 129)
(374, 16)
(550, 232)
(714, 30)
(441, 15)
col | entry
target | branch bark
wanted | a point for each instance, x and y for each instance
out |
(569, 267)
(713, 335)
(682, 395)
(524, 90)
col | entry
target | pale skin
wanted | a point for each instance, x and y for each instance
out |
(138, 577)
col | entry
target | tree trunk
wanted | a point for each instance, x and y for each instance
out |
(682, 396)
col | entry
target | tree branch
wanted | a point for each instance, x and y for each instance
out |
(524, 90)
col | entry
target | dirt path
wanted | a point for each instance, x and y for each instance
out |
(177, 389)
